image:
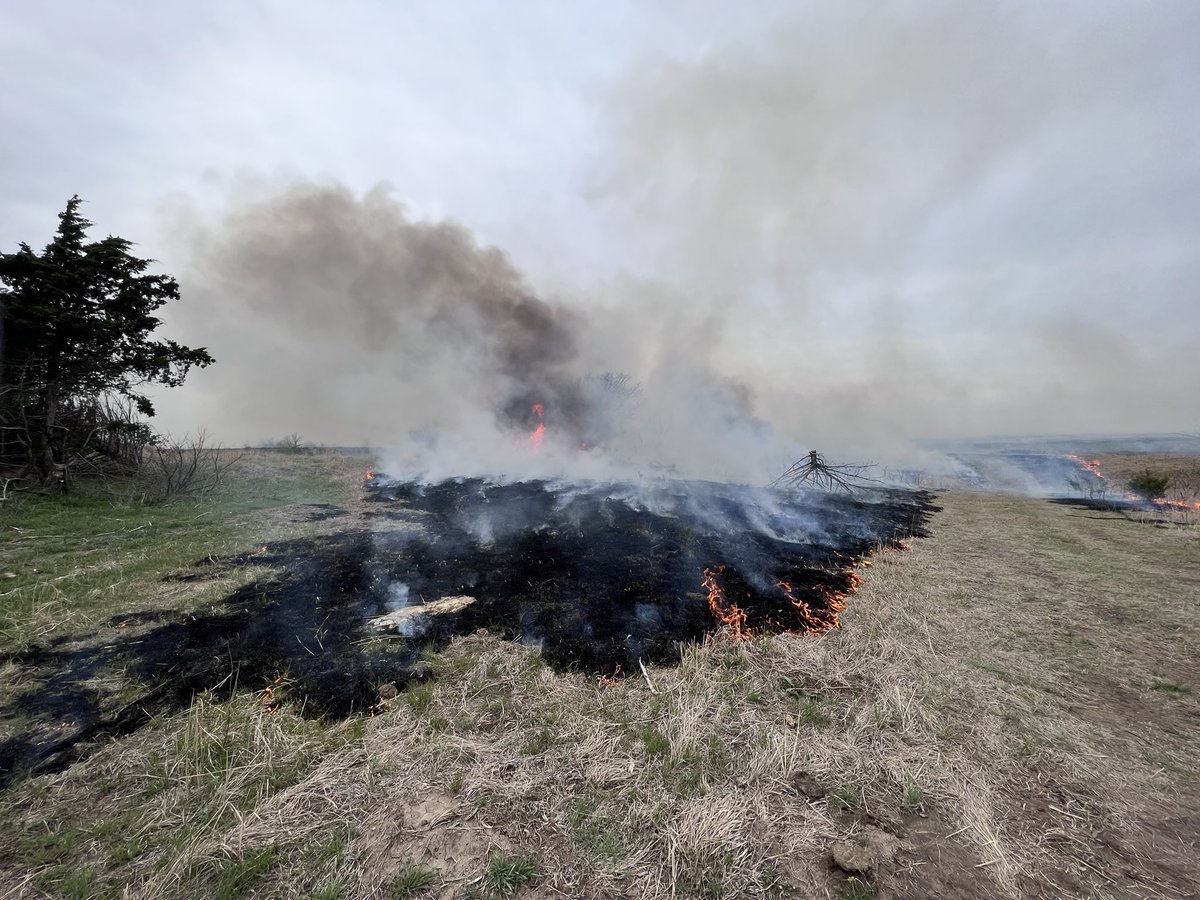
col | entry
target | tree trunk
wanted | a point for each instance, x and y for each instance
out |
(43, 444)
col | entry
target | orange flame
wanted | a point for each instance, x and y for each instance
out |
(270, 700)
(1164, 503)
(607, 681)
(834, 600)
(538, 434)
(810, 619)
(732, 615)
(1091, 465)
(368, 475)
(815, 620)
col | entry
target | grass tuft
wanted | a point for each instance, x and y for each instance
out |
(410, 881)
(857, 889)
(506, 874)
(1170, 688)
(845, 797)
(914, 798)
(655, 742)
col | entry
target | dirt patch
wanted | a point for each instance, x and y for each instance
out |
(934, 861)
(438, 832)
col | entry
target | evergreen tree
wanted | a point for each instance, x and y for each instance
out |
(75, 326)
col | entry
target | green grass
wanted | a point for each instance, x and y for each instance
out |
(857, 889)
(1169, 687)
(68, 559)
(538, 742)
(845, 797)
(811, 712)
(419, 697)
(202, 771)
(594, 831)
(77, 884)
(914, 798)
(67, 562)
(234, 877)
(505, 875)
(330, 852)
(322, 862)
(410, 881)
(654, 742)
(330, 889)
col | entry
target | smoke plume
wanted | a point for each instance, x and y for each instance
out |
(863, 227)
(341, 317)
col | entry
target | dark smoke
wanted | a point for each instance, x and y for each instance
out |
(349, 321)
(317, 290)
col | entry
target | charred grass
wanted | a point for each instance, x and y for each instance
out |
(1009, 710)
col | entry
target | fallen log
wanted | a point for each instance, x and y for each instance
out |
(404, 619)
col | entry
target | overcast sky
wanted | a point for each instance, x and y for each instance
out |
(909, 219)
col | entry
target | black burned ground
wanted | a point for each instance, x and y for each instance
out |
(596, 576)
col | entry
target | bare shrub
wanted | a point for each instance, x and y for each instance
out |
(1086, 484)
(813, 471)
(172, 469)
(291, 443)
(94, 436)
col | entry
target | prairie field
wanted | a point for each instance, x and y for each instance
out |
(1011, 708)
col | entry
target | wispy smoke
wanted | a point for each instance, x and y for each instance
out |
(931, 217)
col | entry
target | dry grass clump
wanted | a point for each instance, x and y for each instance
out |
(166, 808)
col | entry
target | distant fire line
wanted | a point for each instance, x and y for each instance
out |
(539, 433)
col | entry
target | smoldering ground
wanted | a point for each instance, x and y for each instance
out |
(597, 576)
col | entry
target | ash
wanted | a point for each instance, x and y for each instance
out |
(596, 576)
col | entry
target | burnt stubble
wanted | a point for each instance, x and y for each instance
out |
(597, 577)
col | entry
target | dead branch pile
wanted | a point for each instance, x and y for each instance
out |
(813, 471)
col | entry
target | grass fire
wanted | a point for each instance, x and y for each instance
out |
(481, 626)
(600, 451)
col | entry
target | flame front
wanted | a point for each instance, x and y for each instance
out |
(272, 696)
(732, 615)
(1091, 465)
(812, 617)
(833, 598)
(1164, 503)
(538, 434)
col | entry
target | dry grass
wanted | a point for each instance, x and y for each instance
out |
(986, 708)
(1184, 471)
